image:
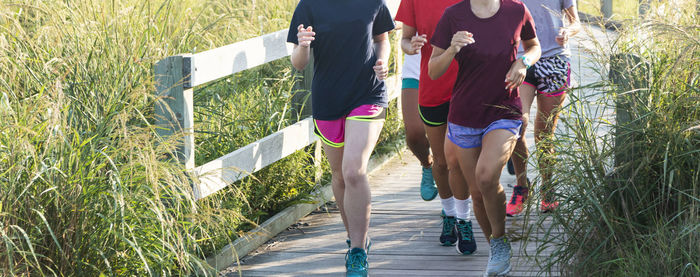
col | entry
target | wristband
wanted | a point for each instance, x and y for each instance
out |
(526, 61)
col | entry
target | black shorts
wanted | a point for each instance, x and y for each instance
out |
(434, 116)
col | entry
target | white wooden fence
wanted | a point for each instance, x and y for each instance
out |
(176, 79)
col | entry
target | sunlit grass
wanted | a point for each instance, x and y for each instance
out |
(630, 189)
(84, 188)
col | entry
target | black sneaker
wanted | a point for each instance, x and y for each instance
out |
(448, 236)
(511, 168)
(466, 244)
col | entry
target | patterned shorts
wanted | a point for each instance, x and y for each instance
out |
(551, 76)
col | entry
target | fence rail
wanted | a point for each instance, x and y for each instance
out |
(176, 78)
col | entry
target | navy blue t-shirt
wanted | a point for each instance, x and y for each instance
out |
(343, 51)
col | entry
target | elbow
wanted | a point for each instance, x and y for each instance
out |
(432, 72)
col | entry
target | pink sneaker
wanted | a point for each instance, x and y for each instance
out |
(516, 204)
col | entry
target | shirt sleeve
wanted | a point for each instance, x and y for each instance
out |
(406, 13)
(301, 16)
(528, 30)
(382, 21)
(443, 32)
(565, 4)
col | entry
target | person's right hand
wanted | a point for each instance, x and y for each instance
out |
(417, 43)
(305, 35)
(461, 39)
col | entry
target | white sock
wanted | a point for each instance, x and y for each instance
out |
(448, 205)
(464, 209)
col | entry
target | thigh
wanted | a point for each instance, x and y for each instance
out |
(409, 110)
(360, 139)
(548, 109)
(436, 137)
(334, 155)
(497, 147)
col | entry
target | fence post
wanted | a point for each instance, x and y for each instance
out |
(606, 7)
(174, 110)
(630, 75)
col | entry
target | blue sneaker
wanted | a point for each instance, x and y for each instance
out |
(499, 257)
(448, 236)
(428, 191)
(368, 243)
(466, 244)
(356, 263)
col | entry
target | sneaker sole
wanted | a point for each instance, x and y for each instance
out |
(463, 253)
(502, 273)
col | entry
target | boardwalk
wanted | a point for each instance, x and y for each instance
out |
(404, 229)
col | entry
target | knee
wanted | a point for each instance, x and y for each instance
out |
(415, 138)
(353, 176)
(487, 180)
(440, 164)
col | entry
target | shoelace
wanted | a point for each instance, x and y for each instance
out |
(517, 191)
(355, 260)
(465, 231)
(447, 224)
(500, 250)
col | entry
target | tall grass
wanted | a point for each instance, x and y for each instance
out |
(631, 189)
(84, 189)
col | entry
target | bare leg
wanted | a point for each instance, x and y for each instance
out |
(521, 154)
(360, 139)
(548, 109)
(436, 136)
(497, 147)
(457, 181)
(468, 158)
(415, 133)
(335, 159)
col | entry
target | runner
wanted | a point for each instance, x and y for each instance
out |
(351, 48)
(416, 140)
(485, 111)
(419, 20)
(548, 80)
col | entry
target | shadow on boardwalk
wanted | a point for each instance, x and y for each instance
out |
(404, 229)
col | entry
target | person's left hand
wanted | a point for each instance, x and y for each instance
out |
(516, 74)
(381, 69)
(563, 37)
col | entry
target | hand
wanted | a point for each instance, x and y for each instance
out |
(516, 75)
(417, 43)
(305, 36)
(381, 69)
(461, 39)
(563, 37)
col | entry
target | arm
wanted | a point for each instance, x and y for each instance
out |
(382, 49)
(440, 59)
(410, 42)
(300, 54)
(516, 74)
(573, 28)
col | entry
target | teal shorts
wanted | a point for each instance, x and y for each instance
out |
(409, 83)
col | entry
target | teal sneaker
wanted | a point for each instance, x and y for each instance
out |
(356, 263)
(368, 243)
(448, 237)
(428, 191)
(466, 245)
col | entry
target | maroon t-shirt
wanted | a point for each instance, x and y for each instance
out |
(479, 96)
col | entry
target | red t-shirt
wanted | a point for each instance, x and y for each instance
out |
(424, 16)
(479, 95)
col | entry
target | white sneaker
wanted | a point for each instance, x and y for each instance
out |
(499, 257)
